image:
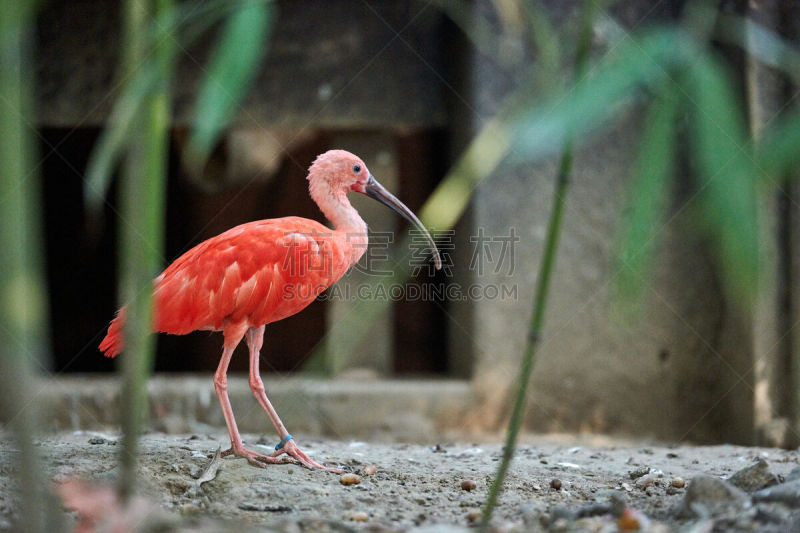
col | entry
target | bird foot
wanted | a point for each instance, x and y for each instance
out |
(296, 454)
(258, 459)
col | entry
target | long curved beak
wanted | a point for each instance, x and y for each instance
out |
(375, 190)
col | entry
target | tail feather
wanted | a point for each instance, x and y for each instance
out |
(113, 343)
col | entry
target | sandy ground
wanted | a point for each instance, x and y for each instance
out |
(564, 484)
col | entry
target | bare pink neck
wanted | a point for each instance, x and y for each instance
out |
(337, 209)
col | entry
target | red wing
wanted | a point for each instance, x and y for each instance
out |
(249, 271)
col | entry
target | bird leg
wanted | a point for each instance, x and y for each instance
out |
(255, 340)
(221, 386)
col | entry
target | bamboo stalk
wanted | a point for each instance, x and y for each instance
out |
(141, 230)
(543, 283)
(22, 299)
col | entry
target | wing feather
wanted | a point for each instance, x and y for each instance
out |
(260, 272)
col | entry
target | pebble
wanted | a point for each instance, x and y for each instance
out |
(555, 484)
(794, 475)
(776, 514)
(646, 481)
(710, 496)
(532, 512)
(468, 485)
(349, 479)
(594, 509)
(619, 502)
(639, 472)
(677, 482)
(787, 494)
(359, 516)
(754, 477)
(632, 520)
(370, 470)
(473, 516)
(190, 509)
(562, 512)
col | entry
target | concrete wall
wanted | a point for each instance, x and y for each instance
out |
(682, 370)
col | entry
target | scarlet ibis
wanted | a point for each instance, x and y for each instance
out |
(264, 271)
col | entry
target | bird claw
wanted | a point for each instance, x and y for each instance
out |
(258, 459)
(296, 454)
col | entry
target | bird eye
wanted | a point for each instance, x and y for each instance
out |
(357, 168)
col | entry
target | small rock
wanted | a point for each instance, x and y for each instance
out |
(646, 481)
(98, 440)
(562, 512)
(436, 528)
(190, 509)
(775, 514)
(787, 494)
(532, 512)
(677, 482)
(555, 484)
(594, 509)
(615, 500)
(793, 475)
(468, 485)
(265, 508)
(639, 472)
(619, 502)
(473, 516)
(754, 477)
(349, 479)
(370, 470)
(359, 516)
(710, 496)
(632, 520)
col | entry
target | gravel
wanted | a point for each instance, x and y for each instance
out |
(421, 487)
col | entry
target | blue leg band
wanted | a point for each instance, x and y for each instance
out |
(283, 442)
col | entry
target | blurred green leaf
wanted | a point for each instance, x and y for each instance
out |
(184, 24)
(647, 197)
(234, 65)
(779, 146)
(113, 141)
(760, 42)
(546, 45)
(727, 188)
(541, 130)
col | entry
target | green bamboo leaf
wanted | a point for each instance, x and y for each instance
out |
(113, 141)
(647, 197)
(779, 147)
(234, 65)
(760, 42)
(185, 24)
(600, 94)
(728, 185)
(545, 42)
